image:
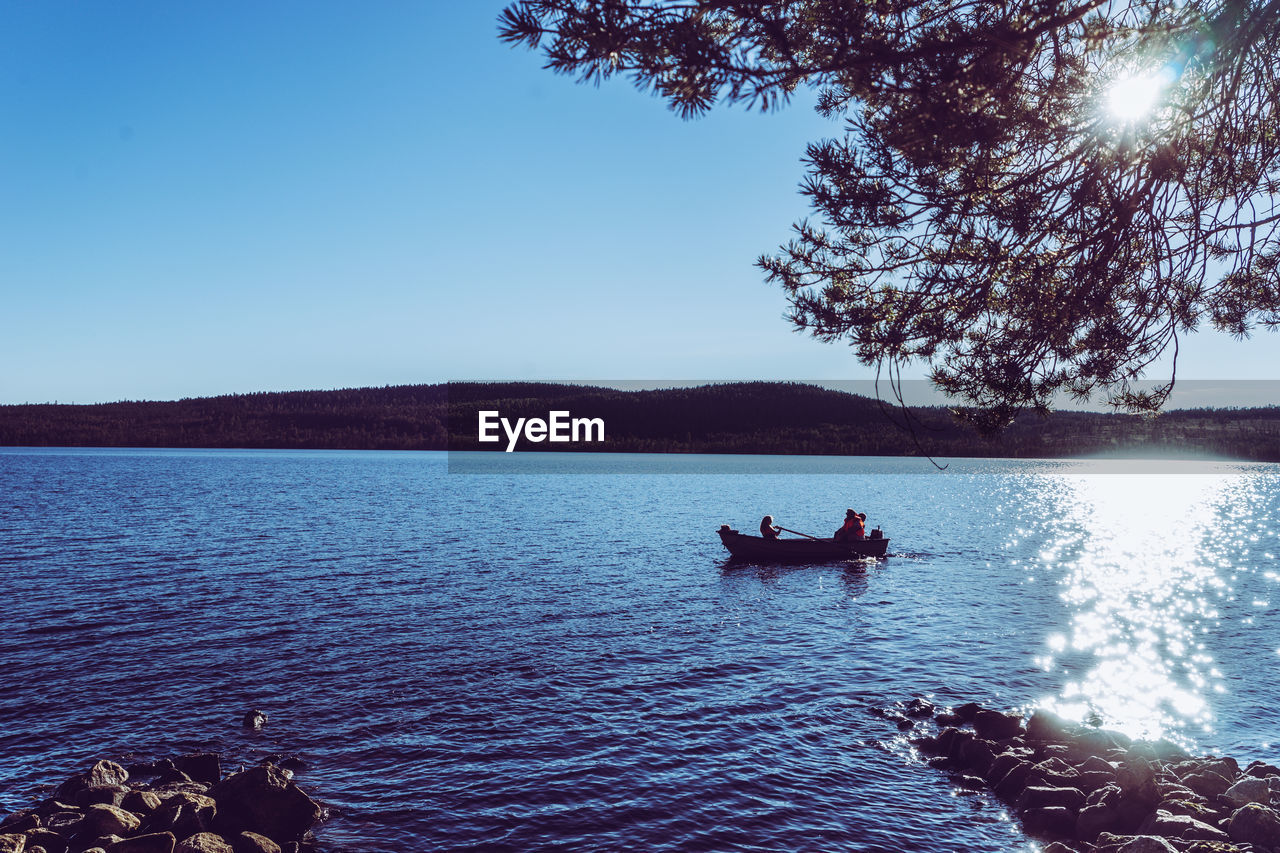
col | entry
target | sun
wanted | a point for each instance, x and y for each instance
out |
(1134, 96)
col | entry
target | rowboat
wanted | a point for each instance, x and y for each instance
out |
(799, 550)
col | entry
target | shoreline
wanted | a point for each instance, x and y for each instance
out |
(1084, 789)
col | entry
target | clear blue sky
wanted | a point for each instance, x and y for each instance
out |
(206, 198)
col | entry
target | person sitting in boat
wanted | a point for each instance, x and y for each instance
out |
(854, 527)
(767, 528)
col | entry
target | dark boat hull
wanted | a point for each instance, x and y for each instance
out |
(800, 550)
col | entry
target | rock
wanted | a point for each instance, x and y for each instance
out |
(254, 720)
(1096, 764)
(993, 725)
(1093, 780)
(1095, 820)
(262, 800)
(20, 821)
(1036, 797)
(919, 708)
(63, 820)
(170, 776)
(1011, 785)
(971, 783)
(1255, 824)
(183, 814)
(155, 842)
(1261, 769)
(1207, 783)
(1187, 828)
(925, 743)
(1137, 779)
(52, 842)
(1058, 847)
(101, 773)
(1049, 822)
(12, 842)
(111, 795)
(201, 766)
(1190, 809)
(101, 819)
(977, 755)
(204, 842)
(1249, 790)
(948, 719)
(141, 802)
(967, 711)
(172, 789)
(1048, 726)
(1001, 765)
(1056, 772)
(1146, 844)
(252, 842)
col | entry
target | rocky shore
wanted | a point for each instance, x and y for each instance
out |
(1081, 788)
(180, 805)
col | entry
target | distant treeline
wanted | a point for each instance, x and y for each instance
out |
(749, 417)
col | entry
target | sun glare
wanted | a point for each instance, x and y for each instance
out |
(1133, 97)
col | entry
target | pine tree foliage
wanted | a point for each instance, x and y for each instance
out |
(984, 210)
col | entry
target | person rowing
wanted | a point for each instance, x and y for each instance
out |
(767, 528)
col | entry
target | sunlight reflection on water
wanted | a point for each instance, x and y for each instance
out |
(1137, 561)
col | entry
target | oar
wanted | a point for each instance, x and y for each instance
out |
(798, 533)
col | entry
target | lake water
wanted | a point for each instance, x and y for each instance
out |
(512, 661)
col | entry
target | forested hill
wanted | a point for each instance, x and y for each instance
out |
(754, 417)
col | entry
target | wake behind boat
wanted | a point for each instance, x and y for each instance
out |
(799, 550)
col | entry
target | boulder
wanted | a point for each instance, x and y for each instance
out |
(140, 802)
(1011, 784)
(63, 820)
(1146, 844)
(201, 766)
(1048, 726)
(915, 708)
(1091, 781)
(967, 711)
(170, 776)
(1049, 822)
(1255, 824)
(1137, 779)
(13, 842)
(252, 842)
(1261, 769)
(111, 795)
(1036, 797)
(52, 842)
(164, 792)
(254, 719)
(993, 725)
(971, 783)
(183, 815)
(1095, 820)
(977, 756)
(1096, 764)
(155, 842)
(1180, 826)
(102, 820)
(101, 773)
(1000, 766)
(20, 821)
(204, 842)
(1250, 789)
(263, 800)
(1207, 783)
